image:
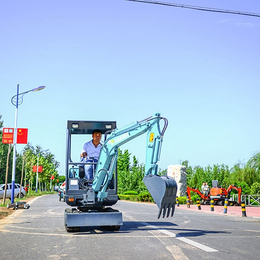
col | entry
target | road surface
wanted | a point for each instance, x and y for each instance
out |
(39, 233)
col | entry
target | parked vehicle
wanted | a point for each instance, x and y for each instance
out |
(9, 190)
(56, 188)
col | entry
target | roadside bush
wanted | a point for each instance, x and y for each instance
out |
(128, 197)
(33, 193)
(182, 200)
(145, 197)
(194, 198)
(130, 192)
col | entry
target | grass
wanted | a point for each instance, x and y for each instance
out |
(30, 194)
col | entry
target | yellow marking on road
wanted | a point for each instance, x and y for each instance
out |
(177, 252)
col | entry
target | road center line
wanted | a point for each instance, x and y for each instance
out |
(183, 239)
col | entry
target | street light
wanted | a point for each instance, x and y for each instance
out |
(16, 101)
(38, 155)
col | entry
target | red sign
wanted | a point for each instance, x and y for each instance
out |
(8, 136)
(22, 134)
(35, 168)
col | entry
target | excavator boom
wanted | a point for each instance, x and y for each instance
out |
(162, 188)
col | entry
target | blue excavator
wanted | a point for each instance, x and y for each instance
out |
(91, 200)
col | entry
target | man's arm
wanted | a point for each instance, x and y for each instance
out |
(83, 154)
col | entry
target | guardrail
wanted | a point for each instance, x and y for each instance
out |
(250, 200)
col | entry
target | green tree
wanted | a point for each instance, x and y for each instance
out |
(255, 188)
(130, 175)
(189, 170)
(3, 156)
(46, 160)
(244, 186)
(249, 172)
(123, 160)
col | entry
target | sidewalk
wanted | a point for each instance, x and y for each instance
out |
(231, 210)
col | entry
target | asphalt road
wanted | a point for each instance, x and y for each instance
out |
(39, 233)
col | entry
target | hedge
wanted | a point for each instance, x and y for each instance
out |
(145, 197)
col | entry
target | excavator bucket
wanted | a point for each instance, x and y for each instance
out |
(163, 190)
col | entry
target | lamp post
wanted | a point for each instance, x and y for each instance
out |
(16, 101)
(38, 155)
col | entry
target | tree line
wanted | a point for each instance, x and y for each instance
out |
(130, 172)
(246, 176)
(25, 161)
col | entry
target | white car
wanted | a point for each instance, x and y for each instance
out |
(9, 190)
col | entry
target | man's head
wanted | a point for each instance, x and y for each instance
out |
(96, 135)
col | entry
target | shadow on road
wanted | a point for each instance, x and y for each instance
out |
(131, 226)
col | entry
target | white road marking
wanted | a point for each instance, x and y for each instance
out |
(166, 232)
(196, 244)
(183, 239)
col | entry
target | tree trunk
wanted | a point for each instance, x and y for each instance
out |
(21, 183)
(6, 173)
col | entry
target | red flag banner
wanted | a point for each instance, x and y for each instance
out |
(22, 135)
(8, 136)
(35, 168)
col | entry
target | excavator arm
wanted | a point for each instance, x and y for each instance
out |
(202, 196)
(109, 151)
(238, 189)
(162, 188)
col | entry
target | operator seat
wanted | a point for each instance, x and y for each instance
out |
(81, 172)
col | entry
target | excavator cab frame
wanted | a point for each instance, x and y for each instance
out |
(75, 172)
(77, 186)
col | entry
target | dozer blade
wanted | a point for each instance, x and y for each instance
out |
(163, 190)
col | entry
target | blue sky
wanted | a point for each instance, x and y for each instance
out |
(123, 61)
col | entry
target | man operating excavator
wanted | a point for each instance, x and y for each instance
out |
(90, 153)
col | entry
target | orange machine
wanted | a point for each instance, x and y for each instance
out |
(218, 194)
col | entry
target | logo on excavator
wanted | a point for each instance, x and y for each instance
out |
(151, 137)
(119, 139)
(112, 142)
